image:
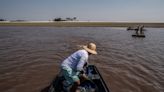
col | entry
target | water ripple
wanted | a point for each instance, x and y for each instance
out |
(31, 54)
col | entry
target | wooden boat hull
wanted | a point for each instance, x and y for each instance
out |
(96, 82)
(138, 35)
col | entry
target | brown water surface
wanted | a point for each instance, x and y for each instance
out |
(30, 57)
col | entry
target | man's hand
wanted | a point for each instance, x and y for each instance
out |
(85, 76)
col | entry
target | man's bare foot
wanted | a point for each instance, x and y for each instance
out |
(77, 90)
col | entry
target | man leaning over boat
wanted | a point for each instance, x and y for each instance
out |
(73, 65)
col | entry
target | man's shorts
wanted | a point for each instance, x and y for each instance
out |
(69, 75)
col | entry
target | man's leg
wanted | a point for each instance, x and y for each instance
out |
(73, 79)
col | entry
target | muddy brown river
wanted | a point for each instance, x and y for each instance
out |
(30, 57)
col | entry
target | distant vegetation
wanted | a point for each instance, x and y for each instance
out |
(66, 19)
(56, 19)
(12, 20)
(17, 20)
(2, 20)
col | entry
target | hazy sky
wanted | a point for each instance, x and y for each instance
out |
(93, 10)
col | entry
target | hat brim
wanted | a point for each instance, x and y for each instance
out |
(89, 50)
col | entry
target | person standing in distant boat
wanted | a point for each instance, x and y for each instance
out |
(74, 64)
(141, 30)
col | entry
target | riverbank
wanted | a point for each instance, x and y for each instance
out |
(82, 24)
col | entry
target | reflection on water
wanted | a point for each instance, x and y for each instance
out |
(30, 57)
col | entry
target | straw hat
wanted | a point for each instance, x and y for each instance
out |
(91, 48)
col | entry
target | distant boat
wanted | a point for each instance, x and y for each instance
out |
(137, 28)
(138, 35)
(132, 28)
(94, 84)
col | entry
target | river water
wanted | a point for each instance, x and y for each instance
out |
(30, 57)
